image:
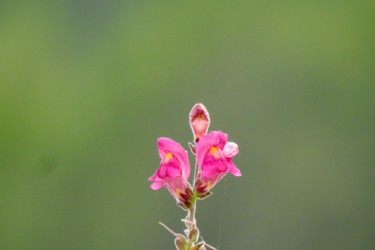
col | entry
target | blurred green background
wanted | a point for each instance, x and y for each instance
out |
(86, 87)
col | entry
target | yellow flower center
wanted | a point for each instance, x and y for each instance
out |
(214, 151)
(168, 156)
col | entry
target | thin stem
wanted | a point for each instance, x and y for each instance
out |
(195, 174)
(194, 206)
(191, 223)
(168, 229)
(192, 214)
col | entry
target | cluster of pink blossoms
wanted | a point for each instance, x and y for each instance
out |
(213, 158)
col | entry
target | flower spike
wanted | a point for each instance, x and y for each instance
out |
(213, 154)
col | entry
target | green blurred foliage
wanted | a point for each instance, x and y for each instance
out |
(86, 87)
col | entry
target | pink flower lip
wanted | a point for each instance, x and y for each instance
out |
(199, 120)
(214, 158)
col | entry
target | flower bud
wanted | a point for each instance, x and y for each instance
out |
(181, 242)
(199, 120)
(193, 234)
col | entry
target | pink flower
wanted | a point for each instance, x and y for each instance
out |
(214, 158)
(173, 172)
(199, 120)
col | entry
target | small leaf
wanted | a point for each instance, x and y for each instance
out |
(192, 147)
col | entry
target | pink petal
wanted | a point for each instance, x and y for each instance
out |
(167, 145)
(197, 109)
(221, 137)
(230, 149)
(172, 169)
(156, 185)
(233, 169)
(214, 138)
(153, 177)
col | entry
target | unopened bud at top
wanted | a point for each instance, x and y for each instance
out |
(199, 120)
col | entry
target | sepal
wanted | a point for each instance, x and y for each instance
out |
(200, 246)
(204, 195)
(186, 199)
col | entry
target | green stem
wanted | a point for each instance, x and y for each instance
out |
(192, 213)
(194, 206)
(195, 175)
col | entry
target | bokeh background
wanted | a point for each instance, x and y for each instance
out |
(86, 87)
